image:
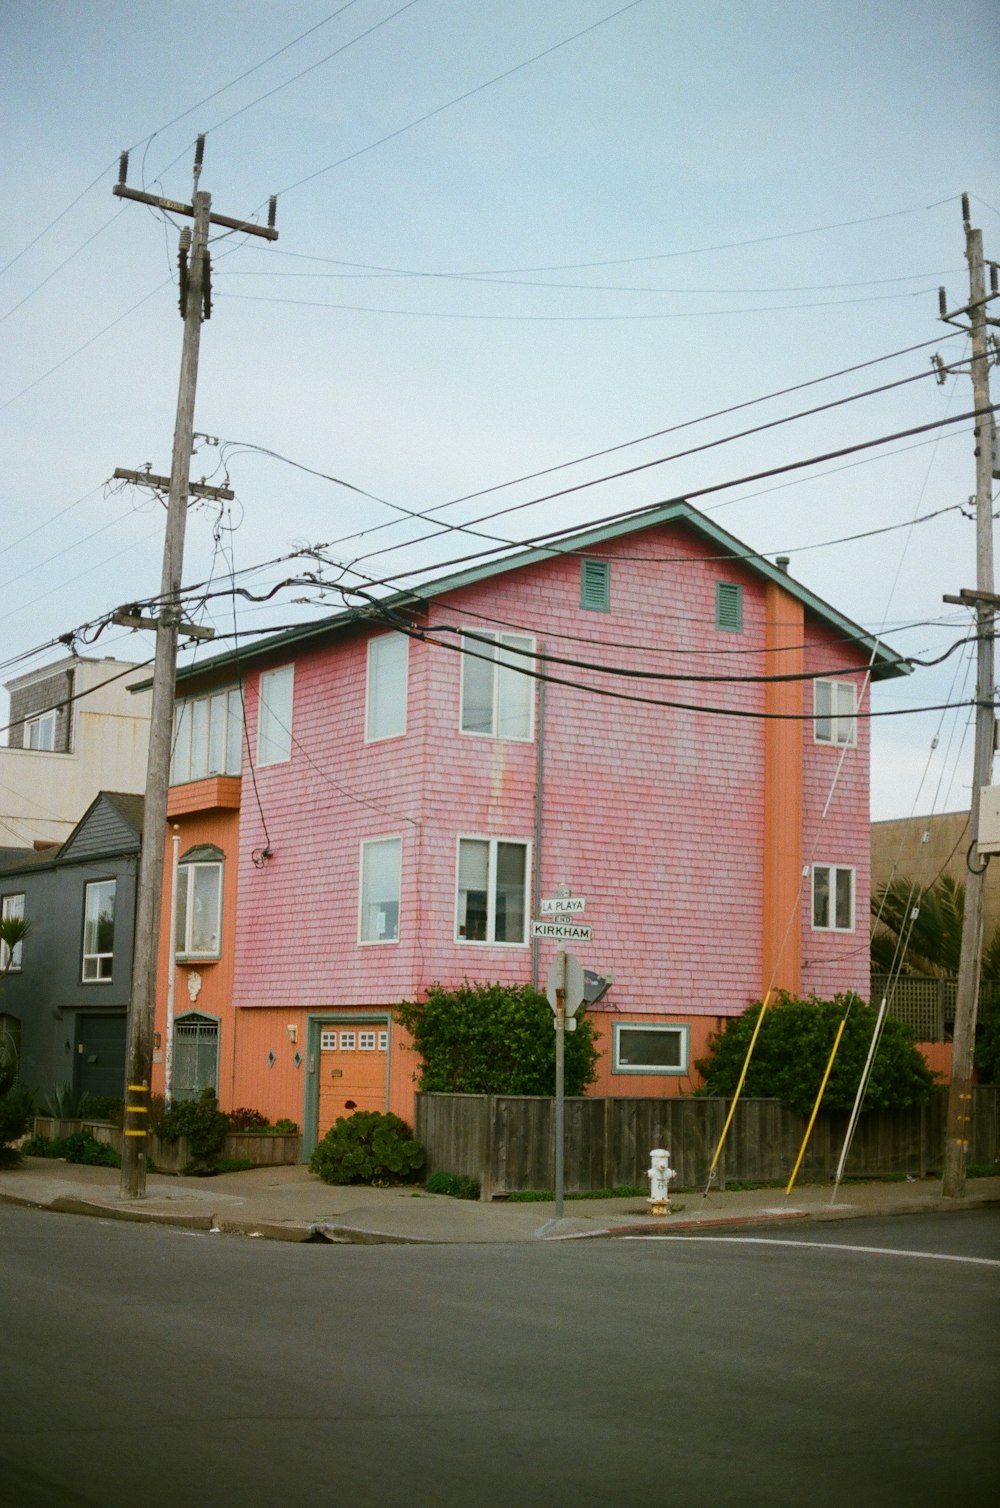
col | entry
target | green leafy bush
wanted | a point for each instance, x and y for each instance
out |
(16, 1112)
(83, 1147)
(987, 1056)
(368, 1147)
(42, 1146)
(458, 1185)
(62, 1104)
(103, 1107)
(201, 1121)
(494, 1039)
(794, 1045)
(286, 1127)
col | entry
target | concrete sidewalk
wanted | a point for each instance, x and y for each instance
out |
(291, 1204)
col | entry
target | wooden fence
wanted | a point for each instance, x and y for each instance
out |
(926, 1003)
(507, 1141)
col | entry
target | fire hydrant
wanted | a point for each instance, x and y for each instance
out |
(659, 1174)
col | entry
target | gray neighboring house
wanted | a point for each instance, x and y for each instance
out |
(64, 1001)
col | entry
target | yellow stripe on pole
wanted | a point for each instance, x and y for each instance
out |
(136, 1133)
(138, 1089)
(739, 1089)
(136, 1109)
(815, 1111)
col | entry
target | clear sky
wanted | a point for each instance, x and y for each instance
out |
(635, 218)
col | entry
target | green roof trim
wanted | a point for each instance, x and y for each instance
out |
(885, 663)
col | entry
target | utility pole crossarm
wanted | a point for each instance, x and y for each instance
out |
(174, 207)
(162, 484)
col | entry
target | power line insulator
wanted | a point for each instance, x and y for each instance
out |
(199, 152)
(272, 210)
(123, 168)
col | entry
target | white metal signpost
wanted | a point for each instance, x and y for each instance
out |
(564, 988)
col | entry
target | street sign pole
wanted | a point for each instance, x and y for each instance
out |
(560, 1024)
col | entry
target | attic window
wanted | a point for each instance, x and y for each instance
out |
(595, 585)
(729, 606)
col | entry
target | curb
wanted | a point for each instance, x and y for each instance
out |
(66, 1204)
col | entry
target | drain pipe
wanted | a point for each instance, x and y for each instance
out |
(536, 875)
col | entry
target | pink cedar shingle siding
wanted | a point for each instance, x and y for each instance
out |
(655, 814)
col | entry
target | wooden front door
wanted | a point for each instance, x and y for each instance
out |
(352, 1072)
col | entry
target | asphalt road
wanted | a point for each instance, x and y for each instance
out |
(157, 1367)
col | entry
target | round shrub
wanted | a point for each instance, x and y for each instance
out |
(200, 1120)
(368, 1147)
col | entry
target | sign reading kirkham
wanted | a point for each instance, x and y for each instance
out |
(562, 931)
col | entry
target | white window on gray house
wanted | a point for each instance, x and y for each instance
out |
(833, 898)
(492, 885)
(641, 1047)
(385, 703)
(497, 697)
(98, 931)
(274, 720)
(380, 872)
(208, 736)
(834, 708)
(40, 732)
(595, 585)
(199, 904)
(729, 606)
(11, 906)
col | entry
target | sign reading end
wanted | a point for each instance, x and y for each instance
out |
(562, 931)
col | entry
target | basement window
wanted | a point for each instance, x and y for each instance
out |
(649, 1048)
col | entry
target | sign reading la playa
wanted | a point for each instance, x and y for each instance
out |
(562, 931)
(564, 905)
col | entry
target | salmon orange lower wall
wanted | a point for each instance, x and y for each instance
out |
(938, 1055)
(610, 1084)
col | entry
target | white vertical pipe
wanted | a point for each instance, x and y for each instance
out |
(168, 1045)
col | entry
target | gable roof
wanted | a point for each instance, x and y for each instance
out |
(884, 661)
(111, 825)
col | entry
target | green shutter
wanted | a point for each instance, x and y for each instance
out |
(729, 606)
(595, 585)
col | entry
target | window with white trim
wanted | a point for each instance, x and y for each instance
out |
(348, 1041)
(497, 697)
(835, 704)
(832, 898)
(40, 732)
(328, 1041)
(12, 909)
(381, 859)
(274, 717)
(385, 702)
(649, 1047)
(366, 1041)
(199, 904)
(208, 736)
(98, 931)
(383, 1041)
(492, 885)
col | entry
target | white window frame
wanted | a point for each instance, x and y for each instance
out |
(383, 718)
(366, 1040)
(328, 1040)
(839, 716)
(97, 967)
(349, 1041)
(477, 649)
(10, 958)
(187, 876)
(367, 936)
(40, 732)
(663, 1028)
(274, 733)
(208, 736)
(832, 872)
(490, 940)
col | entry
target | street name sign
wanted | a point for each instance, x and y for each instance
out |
(564, 905)
(562, 931)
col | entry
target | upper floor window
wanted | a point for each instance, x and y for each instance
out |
(98, 931)
(833, 898)
(199, 903)
(496, 694)
(274, 723)
(834, 708)
(492, 885)
(385, 704)
(40, 732)
(380, 870)
(208, 736)
(595, 585)
(729, 606)
(11, 908)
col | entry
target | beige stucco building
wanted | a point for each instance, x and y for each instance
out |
(75, 729)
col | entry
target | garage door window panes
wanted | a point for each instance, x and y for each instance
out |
(98, 932)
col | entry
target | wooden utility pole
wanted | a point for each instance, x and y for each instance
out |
(195, 300)
(985, 603)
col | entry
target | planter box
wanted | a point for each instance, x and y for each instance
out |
(267, 1149)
